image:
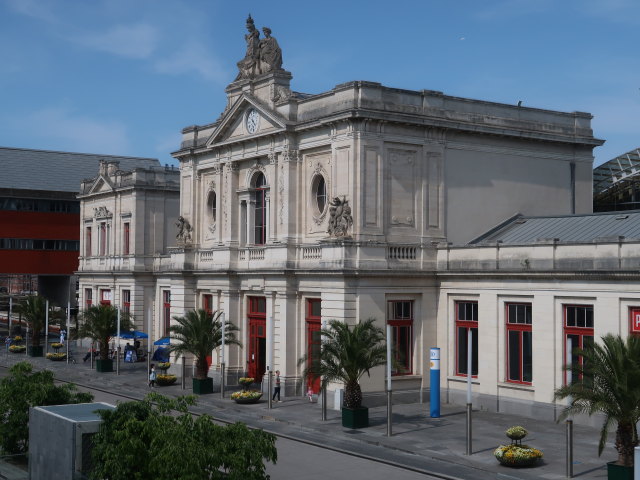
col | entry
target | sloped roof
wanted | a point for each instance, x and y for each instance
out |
(57, 171)
(565, 228)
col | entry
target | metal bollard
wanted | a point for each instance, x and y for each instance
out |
(184, 373)
(323, 392)
(389, 412)
(222, 378)
(469, 430)
(569, 448)
(269, 386)
(118, 360)
(92, 354)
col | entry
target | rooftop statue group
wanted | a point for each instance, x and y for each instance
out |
(263, 55)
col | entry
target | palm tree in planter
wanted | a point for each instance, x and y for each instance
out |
(199, 333)
(34, 310)
(347, 353)
(100, 323)
(607, 380)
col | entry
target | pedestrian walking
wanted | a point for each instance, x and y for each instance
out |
(276, 390)
(63, 333)
(152, 376)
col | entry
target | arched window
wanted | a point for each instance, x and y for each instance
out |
(319, 192)
(260, 210)
(211, 207)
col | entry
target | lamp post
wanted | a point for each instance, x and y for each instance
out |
(469, 375)
(46, 330)
(389, 393)
(222, 373)
(118, 347)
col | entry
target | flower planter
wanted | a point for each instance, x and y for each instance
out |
(165, 380)
(104, 365)
(355, 417)
(202, 386)
(245, 401)
(17, 348)
(35, 351)
(619, 472)
(56, 357)
(517, 455)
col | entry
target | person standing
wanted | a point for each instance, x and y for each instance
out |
(152, 376)
(62, 335)
(276, 390)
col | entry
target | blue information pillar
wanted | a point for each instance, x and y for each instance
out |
(435, 382)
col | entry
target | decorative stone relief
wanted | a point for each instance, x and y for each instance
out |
(280, 93)
(290, 155)
(101, 212)
(184, 231)
(281, 194)
(340, 220)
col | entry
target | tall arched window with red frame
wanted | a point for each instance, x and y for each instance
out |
(400, 318)
(260, 210)
(578, 331)
(314, 339)
(466, 320)
(207, 303)
(126, 301)
(88, 297)
(166, 310)
(519, 343)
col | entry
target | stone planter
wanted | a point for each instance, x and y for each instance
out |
(245, 401)
(619, 472)
(355, 417)
(104, 365)
(34, 351)
(202, 386)
(164, 380)
(517, 455)
(17, 348)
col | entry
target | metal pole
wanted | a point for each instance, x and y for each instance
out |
(26, 339)
(93, 346)
(118, 347)
(67, 329)
(323, 387)
(389, 392)
(10, 312)
(46, 330)
(569, 448)
(469, 375)
(184, 372)
(269, 385)
(223, 334)
(150, 338)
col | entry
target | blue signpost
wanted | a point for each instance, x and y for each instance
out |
(434, 385)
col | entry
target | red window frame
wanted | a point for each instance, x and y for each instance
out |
(87, 242)
(464, 309)
(207, 303)
(88, 297)
(633, 313)
(582, 332)
(126, 238)
(166, 310)
(105, 294)
(400, 318)
(260, 210)
(126, 301)
(519, 327)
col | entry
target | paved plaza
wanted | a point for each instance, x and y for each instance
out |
(430, 445)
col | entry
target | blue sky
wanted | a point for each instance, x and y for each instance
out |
(125, 76)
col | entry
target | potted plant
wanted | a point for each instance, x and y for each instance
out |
(57, 346)
(199, 333)
(606, 379)
(17, 348)
(517, 454)
(246, 396)
(56, 357)
(34, 310)
(99, 323)
(163, 378)
(347, 353)
(245, 382)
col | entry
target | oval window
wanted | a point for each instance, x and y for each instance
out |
(211, 207)
(320, 193)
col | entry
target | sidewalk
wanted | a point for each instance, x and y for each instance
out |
(432, 445)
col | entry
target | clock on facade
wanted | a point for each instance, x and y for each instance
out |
(252, 121)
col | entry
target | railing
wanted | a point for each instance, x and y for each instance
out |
(256, 254)
(206, 255)
(311, 253)
(401, 253)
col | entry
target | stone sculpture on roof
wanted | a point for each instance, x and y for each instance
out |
(262, 56)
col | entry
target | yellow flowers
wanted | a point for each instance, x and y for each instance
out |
(17, 348)
(246, 395)
(165, 379)
(56, 356)
(517, 455)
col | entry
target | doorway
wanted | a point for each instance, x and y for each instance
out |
(257, 355)
(314, 341)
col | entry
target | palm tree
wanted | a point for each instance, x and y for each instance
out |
(34, 310)
(607, 380)
(348, 353)
(100, 323)
(199, 333)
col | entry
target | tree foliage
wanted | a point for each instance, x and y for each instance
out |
(607, 380)
(100, 323)
(347, 353)
(158, 438)
(21, 389)
(34, 310)
(199, 333)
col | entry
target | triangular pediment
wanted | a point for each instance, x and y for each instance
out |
(101, 184)
(247, 118)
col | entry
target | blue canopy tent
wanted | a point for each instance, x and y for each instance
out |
(133, 335)
(162, 341)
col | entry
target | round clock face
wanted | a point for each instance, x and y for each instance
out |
(252, 121)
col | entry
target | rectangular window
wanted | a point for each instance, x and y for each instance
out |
(634, 320)
(166, 310)
(105, 297)
(466, 320)
(103, 239)
(207, 303)
(400, 317)
(88, 297)
(257, 305)
(126, 301)
(125, 240)
(578, 329)
(87, 242)
(519, 343)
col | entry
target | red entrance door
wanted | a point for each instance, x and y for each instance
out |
(314, 343)
(257, 360)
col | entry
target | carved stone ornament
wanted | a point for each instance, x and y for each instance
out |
(340, 220)
(262, 56)
(280, 93)
(101, 212)
(184, 231)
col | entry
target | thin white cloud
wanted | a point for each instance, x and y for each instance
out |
(81, 133)
(168, 143)
(32, 8)
(194, 58)
(131, 41)
(511, 8)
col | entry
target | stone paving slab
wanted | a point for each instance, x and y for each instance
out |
(436, 445)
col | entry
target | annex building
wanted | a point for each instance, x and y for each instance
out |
(432, 213)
